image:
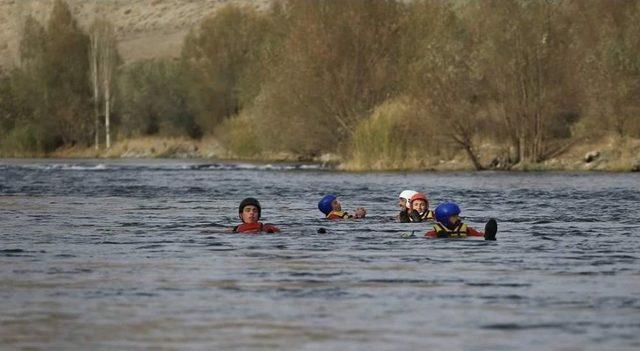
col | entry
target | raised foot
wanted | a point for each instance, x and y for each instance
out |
(490, 230)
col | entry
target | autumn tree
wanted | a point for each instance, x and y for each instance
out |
(221, 56)
(67, 82)
(7, 104)
(525, 61)
(440, 74)
(338, 62)
(607, 37)
(104, 60)
(32, 121)
(153, 100)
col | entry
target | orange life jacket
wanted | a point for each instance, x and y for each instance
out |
(338, 215)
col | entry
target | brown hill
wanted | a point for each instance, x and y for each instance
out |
(145, 28)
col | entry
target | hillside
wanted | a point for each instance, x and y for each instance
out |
(145, 28)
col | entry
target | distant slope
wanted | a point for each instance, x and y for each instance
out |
(145, 28)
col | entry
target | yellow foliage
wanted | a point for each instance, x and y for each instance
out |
(239, 134)
(394, 137)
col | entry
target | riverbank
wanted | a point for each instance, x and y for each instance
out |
(608, 154)
(604, 154)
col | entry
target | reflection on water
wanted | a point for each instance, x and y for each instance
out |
(121, 255)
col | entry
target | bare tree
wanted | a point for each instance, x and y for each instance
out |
(108, 64)
(93, 56)
(526, 62)
(104, 60)
(438, 59)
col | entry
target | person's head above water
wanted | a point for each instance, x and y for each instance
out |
(329, 203)
(419, 202)
(404, 198)
(447, 214)
(249, 210)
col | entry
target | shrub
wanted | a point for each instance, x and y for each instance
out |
(239, 135)
(395, 136)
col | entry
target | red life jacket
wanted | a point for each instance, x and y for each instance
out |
(257, 227)
(338, 215)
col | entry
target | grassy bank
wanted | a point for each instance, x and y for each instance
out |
(613, 154)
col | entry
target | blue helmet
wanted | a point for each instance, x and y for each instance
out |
(446, 210)
(325, 204)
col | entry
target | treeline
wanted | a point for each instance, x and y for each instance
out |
(386, 84)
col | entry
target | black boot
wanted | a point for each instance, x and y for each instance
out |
(490, 230)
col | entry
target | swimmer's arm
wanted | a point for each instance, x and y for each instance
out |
(472, 232)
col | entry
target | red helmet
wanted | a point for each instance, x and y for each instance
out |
(419, 196)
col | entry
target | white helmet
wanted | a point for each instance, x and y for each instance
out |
(407, 194)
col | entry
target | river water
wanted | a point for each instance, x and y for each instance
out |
(107, 255)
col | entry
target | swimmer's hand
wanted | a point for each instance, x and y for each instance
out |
(360, 212)
(415, 216)
(407, 235)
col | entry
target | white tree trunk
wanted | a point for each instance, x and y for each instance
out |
(94, 77)
(107, 119)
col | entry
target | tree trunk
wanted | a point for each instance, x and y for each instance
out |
(94, 77)
(521, 149)
(107, 119)
(473, 157)
(464, 139)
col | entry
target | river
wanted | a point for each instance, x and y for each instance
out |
(133, 255)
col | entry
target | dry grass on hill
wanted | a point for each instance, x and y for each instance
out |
(145, 28)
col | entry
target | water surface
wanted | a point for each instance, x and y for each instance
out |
(132, 255)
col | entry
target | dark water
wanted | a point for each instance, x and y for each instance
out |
(123, 255)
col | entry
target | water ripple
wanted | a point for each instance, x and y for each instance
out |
(139, 256)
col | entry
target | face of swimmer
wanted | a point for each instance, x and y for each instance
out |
(454, 219)
(335, 205)
(250, 214)
(420, 205)
(402, 203)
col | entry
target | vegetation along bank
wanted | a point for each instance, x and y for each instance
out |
(377, 85)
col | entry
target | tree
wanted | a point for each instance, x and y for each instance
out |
(7, 104)
(30, 91)
(152, 99)
(95, 80)
(525, 60)
(222, 58)
(610, 60)
(337, 63)
(66, 68)
(438, 69)
(104, 60)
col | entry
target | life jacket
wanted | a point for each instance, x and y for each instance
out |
(459, 231)
(338, 215)
(257, 227)
(426, 216)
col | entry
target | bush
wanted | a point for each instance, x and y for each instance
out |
(19, 141)
(239, 134)
(395, 136)
(153, 100)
